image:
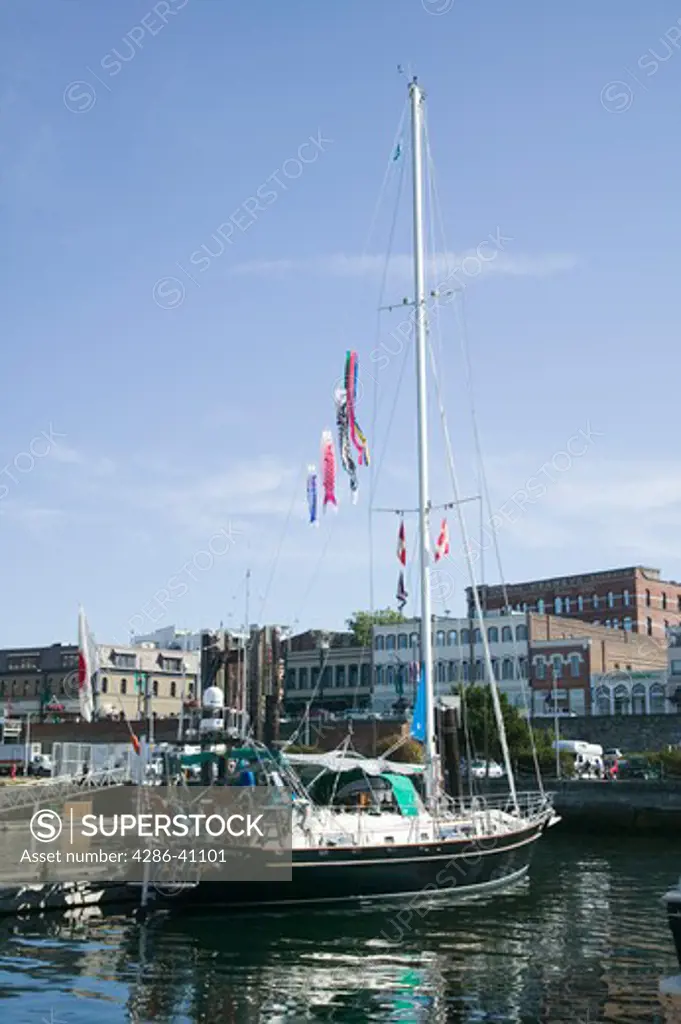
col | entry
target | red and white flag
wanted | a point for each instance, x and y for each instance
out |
(442, 546)
(87, 667)
(402, 544)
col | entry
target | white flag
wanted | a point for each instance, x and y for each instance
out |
(87, 666)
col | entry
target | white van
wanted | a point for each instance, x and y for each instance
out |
(588, 756)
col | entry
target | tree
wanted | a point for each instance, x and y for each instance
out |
(360, 623)
(408, 752)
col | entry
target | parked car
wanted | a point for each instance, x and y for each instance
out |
(613, 752)
(639, 768)
(480, 770)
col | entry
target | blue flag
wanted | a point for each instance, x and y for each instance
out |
(418, 722)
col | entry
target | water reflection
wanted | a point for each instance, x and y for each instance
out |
(585, 940)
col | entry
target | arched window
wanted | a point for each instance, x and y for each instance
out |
(402, 641)
(495, 668)
(568, 605)
(479, 671)
(173, 688)
(657, 699)
(465, 636)
(558, 605)
(521, 632)
(506, 634)
(649, 626)
(603, 700)
(627, 623)
(340, 676)
(626, 598)
(638, 699)
(453, 671)
(379, 642)
(664, 601)
(611, 599)
(390, 642)
(622, 700)
(154, 688)
(414, 640)
(451, 638)
(302, 678)
(477, 636)
(124, 685)
(365, 674)
(647, 599)
(466, 671)
(493, 634)
(540, 667)
(580, 603)
(557, 665)
(507, 669)
(379, 675)
(540, 606)
(440, 638)
(27, 688)
(105, 684)
(441, 672)
(353, 675)
(390, 677)
(522, 667)
(594, 601)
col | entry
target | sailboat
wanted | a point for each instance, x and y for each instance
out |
(408, 836)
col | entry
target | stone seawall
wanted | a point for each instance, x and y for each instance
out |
(630, 733)
(608, 807)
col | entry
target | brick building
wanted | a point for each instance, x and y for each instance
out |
(633, 599)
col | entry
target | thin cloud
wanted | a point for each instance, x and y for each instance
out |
(439, 265)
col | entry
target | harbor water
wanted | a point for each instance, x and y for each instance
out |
(583, 940)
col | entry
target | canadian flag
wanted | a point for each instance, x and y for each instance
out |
(87, 667)
(402, 544)
(442, 546)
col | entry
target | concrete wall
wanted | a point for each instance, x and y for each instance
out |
(631, 733)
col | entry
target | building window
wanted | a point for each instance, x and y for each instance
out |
(24, 663)
(626, 598)
(154, 687)
(649, 626)
(493, 634)
(390, 642)
(477, 636)
(124, 685)
(580, 603)
(495, 668)
(451, 638)
(657, 700)
(611, 599)
(664, 601)
(69, 660)
(390, 677)
(558, 605)
(105, 684)
(291, 679)
(567, 605)
(379, 642)
(521, 632)
(314, 676)
(173, 688)
(27, 689)
(540, 606)
(574, 666)
(466, 671)
(676, 668)
(414, 640)
(365, 674)
(353, 675)
(302, 678)
(441, 672)
(647, 599)
(453, 671)
(171, 664)
(506, 634)
(479, 671)
(678, 601)
(402, 642)
(638, 699)
(340, 676)
(440, 638)
(123, 660)
(540, 667)
(603, 700)
(522, 667)
(557, 665)
(465, 636)
(627, 623)
(507, 669)
(622, 700)
(594, 601)
(379, 675)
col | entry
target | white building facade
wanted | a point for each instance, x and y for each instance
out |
(458, 657)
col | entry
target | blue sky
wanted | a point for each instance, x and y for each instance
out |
(158, 447)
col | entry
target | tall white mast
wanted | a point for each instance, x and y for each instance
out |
(432, 768)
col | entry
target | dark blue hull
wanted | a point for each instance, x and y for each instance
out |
(673, 901)
(462, 867)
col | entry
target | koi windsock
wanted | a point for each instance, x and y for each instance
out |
(312, 495)
(328, 470)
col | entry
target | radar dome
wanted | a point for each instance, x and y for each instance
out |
(213, 698)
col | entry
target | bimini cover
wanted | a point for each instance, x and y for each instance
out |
(405, 794)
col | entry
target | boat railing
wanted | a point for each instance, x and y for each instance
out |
(530, 805)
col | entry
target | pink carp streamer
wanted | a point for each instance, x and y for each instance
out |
(328, 470)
